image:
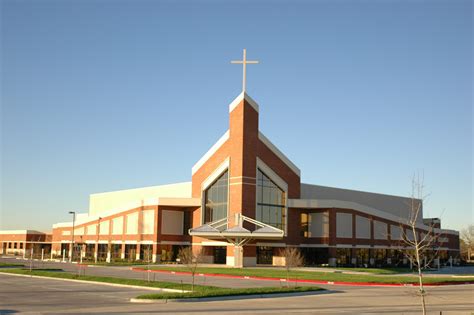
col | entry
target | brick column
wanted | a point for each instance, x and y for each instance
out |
(332, 237)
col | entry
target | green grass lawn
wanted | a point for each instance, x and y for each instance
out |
(2, 264)
(379, 271)
(199, 290)
(322, 276)
(208, 292)
(116, 263)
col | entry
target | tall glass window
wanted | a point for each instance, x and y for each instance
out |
(271, 202)
(216, 199)
(304, 227)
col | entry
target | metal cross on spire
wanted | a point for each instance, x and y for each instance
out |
(244, 62)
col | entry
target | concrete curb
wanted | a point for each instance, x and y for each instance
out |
(361, 284)
(97, 282)
(229, 297)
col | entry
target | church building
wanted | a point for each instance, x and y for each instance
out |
(244, 204)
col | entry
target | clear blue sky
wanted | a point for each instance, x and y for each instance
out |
(107, 95)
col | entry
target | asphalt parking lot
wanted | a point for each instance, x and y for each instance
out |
(125, 272)
(47, 296)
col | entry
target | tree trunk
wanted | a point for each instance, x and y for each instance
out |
(288, 277)
(420, 275)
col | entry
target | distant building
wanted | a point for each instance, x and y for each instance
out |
(244, 204)
(25, 243)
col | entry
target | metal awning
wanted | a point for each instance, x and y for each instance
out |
(237, 235)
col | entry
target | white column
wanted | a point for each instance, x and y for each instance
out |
(238, 256)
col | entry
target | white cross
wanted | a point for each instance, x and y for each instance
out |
(244, 61)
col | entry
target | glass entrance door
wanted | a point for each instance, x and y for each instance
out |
(264, 255)
(220, 254)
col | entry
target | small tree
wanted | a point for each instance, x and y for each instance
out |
(191, 260)
(147, 257)
(293, 259)
(419, 246)
(467, 242)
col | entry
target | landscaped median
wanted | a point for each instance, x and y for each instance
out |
(10, 265)
(205, 292)
(273, 274)
(181, 290)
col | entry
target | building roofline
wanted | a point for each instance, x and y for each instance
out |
(21, 232)
(223, 139)
(278, 153)
(139, 188)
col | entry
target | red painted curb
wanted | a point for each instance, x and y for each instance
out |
(302, 280)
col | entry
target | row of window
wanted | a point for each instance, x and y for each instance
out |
(316, 224)
(173, 223)
(13, 245)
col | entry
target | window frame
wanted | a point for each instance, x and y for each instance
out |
(211, 180)
(279, 182)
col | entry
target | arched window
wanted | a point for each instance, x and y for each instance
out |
(271, 202)
(216, 199)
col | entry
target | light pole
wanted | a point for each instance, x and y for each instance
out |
(98, 239)
(73, 225)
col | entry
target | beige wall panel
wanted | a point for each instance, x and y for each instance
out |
(117, 226)
(91, 229)
(79, 231)
(104, 227)
(132, 223)
(172, 222)
(148, 226)
(319, 224)
(362, 227)
(380, 230)
(396, 233)
(344, 225)
(409, 234)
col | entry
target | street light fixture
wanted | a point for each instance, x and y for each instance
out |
(73, 226)
(98, 239)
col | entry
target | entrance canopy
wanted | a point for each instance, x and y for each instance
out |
(237, 235)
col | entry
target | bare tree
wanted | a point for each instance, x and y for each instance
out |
(420, 245)
(293, 258)
(467, 238)
(148, 258)
(191, 260)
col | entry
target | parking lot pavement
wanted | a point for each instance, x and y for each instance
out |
(24, 294)
(32, 296)
(125, 272)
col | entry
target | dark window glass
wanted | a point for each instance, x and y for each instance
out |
(187, 222)
(264, 255)
(216, 199)
(304, 224)
(271, 202)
